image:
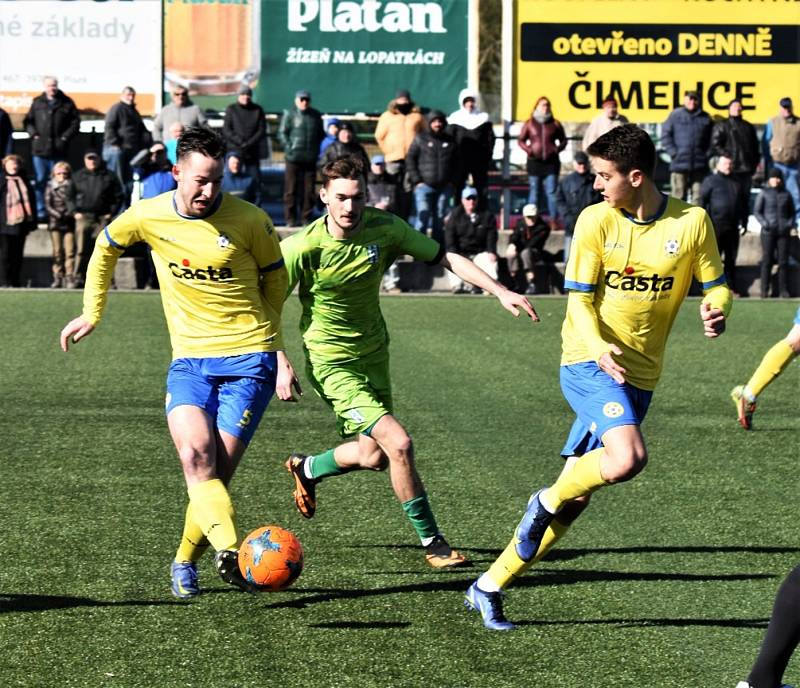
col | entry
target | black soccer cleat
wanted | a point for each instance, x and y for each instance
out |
(226, 562)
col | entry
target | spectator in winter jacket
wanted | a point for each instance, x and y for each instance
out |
(542, 137)
(782, 143)
(331, 130)
(686, 136)
(182, 110)
(245, 130)
(346, 143)
(431, 166)
(526, 247)
(396, 129)
(17, 218)
(98, 197)
(301, 133)
(59, 199)
(237, 181)
(720, 195)
(575, 192)
(604, 122)
(124, 136)
(736, 138)
(471, 233)
(774, 209)
(474, 137)
(155, 172)
(51, 122)
(6, 134)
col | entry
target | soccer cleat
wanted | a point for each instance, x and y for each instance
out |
(745, 684)
(184, 579)
(744, 408)
(305, 492)
(440, 555)
(531, 528)
(490, 606)
(227, 564)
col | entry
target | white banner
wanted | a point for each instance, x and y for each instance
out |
(93, 47)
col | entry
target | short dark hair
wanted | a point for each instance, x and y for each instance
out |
(346, 167)
(200, 140)
(628, 147)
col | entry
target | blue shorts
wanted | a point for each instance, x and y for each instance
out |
(234, 390)
(600, 404)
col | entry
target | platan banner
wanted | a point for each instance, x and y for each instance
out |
(93, 48)
(352, 55)
(647, 53)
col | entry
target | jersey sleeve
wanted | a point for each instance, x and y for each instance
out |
(291, 260)
(585, 257)
(110, 245)
(272, 270)
(417, 244)
(707, 267)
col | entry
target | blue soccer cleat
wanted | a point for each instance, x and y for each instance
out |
(531, 528)
(490, 606)
(184, 579)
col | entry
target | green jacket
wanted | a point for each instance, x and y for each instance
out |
(300, 133)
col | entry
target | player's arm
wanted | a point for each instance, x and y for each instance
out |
(717, 295)
(272, 273)
(110, 245)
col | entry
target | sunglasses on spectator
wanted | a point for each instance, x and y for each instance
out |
(180, 93)
(303, 98)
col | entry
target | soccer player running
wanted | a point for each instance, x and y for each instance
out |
(775, 361)
(338, 261)
(630, 268)
(223, 285)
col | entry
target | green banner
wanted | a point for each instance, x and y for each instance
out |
(353, 55)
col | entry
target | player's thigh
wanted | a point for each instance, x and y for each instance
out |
(359, 392)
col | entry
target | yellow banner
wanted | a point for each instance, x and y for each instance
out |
(647, 53)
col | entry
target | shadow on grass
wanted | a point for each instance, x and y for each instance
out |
(357, 625)
(41, 603)
(650, 623)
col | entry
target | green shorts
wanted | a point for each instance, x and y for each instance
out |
(359, 392)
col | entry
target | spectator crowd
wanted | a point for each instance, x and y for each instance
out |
(429, 167)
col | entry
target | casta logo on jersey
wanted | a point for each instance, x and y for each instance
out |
(632, 282)
(210, 273)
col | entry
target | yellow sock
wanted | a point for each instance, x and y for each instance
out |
(212, 510)
(582, 480)
(193, 542)
(772, 365)
(508, 566)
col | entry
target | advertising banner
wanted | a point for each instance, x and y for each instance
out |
(352, 55)
(93, 48)
(647, 53)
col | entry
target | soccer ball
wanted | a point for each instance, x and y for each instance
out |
(271, 558)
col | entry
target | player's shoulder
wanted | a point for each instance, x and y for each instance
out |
(691, 215)
(375, 218)
(305, 239)
(243, 209)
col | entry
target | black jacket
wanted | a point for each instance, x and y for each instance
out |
(686, 136)
(245, 130)
(474, 147)
(98, 192)
(6, 130)
(737, 139)
(468, 238)
(533, 236)
(574, 193)
(51, 128)
(301, 132)
(338, 150)
(125, 129)
(432, 159)
(722, 198)
(774, 210)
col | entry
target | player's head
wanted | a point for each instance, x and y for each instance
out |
(343, 191)
(199, 170)
(623, 159)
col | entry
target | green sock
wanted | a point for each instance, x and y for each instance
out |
(420, 514)
(324, 465)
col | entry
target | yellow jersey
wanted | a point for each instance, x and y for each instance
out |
(222, 277)
(627, 280)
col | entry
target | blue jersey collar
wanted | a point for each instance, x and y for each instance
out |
(650, 220)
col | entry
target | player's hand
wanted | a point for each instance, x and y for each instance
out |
(76, 330)
(610, 366)
(512, 302)
(713, 320)
(287, 383)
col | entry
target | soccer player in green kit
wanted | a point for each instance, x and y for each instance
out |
(338, 262)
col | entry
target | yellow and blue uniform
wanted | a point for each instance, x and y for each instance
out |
(344, 334)
(223, 285)
(627, 280)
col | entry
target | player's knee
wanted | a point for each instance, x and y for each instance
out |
(195, 460)
(625, 464)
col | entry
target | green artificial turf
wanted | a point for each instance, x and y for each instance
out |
(667, 581)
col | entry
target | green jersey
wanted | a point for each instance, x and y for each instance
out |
(340, 279)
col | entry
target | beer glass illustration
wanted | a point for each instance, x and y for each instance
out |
(212, 47)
